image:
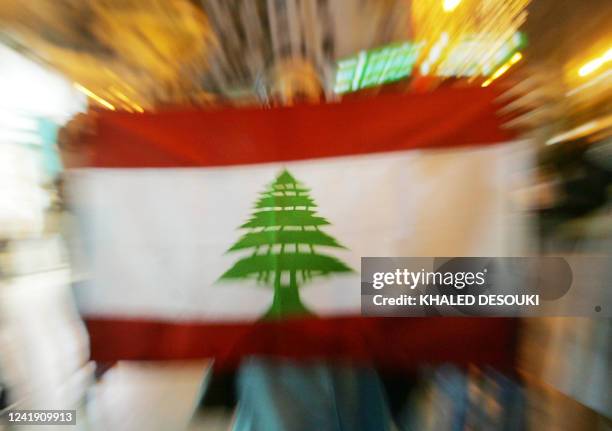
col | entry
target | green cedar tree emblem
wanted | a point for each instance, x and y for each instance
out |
(283, 233)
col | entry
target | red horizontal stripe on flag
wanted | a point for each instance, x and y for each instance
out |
(447, 117)
(385, 342)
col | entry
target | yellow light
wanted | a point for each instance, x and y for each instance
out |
(450, 5)
(590, 67)
(516, 57)
(476, 30)
(503, 68)
(130, 103)
(94, 96)
(595, 64)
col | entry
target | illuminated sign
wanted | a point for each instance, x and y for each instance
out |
(479, 55)
(378, 66)
(472, 55)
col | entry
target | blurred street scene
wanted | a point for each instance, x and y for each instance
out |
(206, 84)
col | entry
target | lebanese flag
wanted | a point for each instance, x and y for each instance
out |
(230, 232)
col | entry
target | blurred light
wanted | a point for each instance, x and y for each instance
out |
(30, 96)
(28, 89)
(94, 96)
(591, 66)
(477, 55)
(20, 137)
(482, 35)
(604, 77)
(434, 53)
(503, 69)
(131, 105)
(582, 130)
(595, 64)
(14, 120)
(473, 55)
(450, 5)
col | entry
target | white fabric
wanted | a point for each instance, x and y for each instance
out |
(156, 239)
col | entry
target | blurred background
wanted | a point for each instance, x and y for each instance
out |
(60, 60)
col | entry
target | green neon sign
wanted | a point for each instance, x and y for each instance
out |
(393, 62)
(377, 66)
